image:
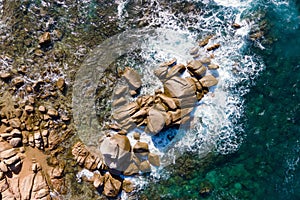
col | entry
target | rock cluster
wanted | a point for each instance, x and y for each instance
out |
(30, 122)
(169, 106)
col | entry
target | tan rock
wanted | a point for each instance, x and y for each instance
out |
(3, 167)
(177, 87)
(169, 63)
(213, 66)
(27, 183)
(170, 102)
(133, 78)
(45, 38)
(176, 70)
(3, 185)
(154, 159)
(119, 102)
(8, 153)
(60, 83)
(205, 60)
(52, 112)
(161, 73)
(131, 169)
(205, 41)
(112, 186)
(136, 135)
(236, 25)
(120, 91)
(16, 133)
(12, 160)
(15, 122)
(141, 148)
(156, 120)
(29, 108)
(208, 81)
(57, 171)
(116, 151)
(194, 50)
(124, 112)
(42, 109)
(5, 75)
(98, 180)
(213, 47)
(145, 166)
(127, 186)
(40, 187)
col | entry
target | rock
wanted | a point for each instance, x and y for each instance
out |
(196, 68)
(156, 120)
(18, 81)
(161, 73)
(15, 142)
(119, 102)
(236, 25)
(3, 186)
(194, 50)
(132, 93)
(112, 186)
(170, 102)
(116, 151)
(145, 166)
(208, 81)
(60, 83)
(205, 41)
(154, 159)
(40, 187)
(131, 169)
(52, 112)
(136, 136)
(177, 87)
(127, 186)
(133, 78)
(12, 160)
(45, 38)
(213, 47)
(213, 66)
(8, 153)
(29, 109)
(5, 75)
(141, 148)
(1, 174)
(16, 133)
(120, 91)
(27, 183)
(15, 122)
(3, 167)
(57, 171)
(140, 115)
(42, 109)
(205, 61)
(98, 180)
(176, 70)
(169, 63)
(124, 112)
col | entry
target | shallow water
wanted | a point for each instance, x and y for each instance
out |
(245, 144)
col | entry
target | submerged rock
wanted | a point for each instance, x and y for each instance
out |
(133, 78)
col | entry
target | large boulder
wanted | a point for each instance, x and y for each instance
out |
(116, 151)
(133, 78)
(161, 73)
(177, 87)
(156, 120)
(208, 81)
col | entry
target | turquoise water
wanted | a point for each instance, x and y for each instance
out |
(267, 164)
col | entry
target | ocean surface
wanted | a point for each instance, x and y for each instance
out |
(245, 138)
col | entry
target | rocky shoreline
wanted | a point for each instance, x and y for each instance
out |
(170, 106)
